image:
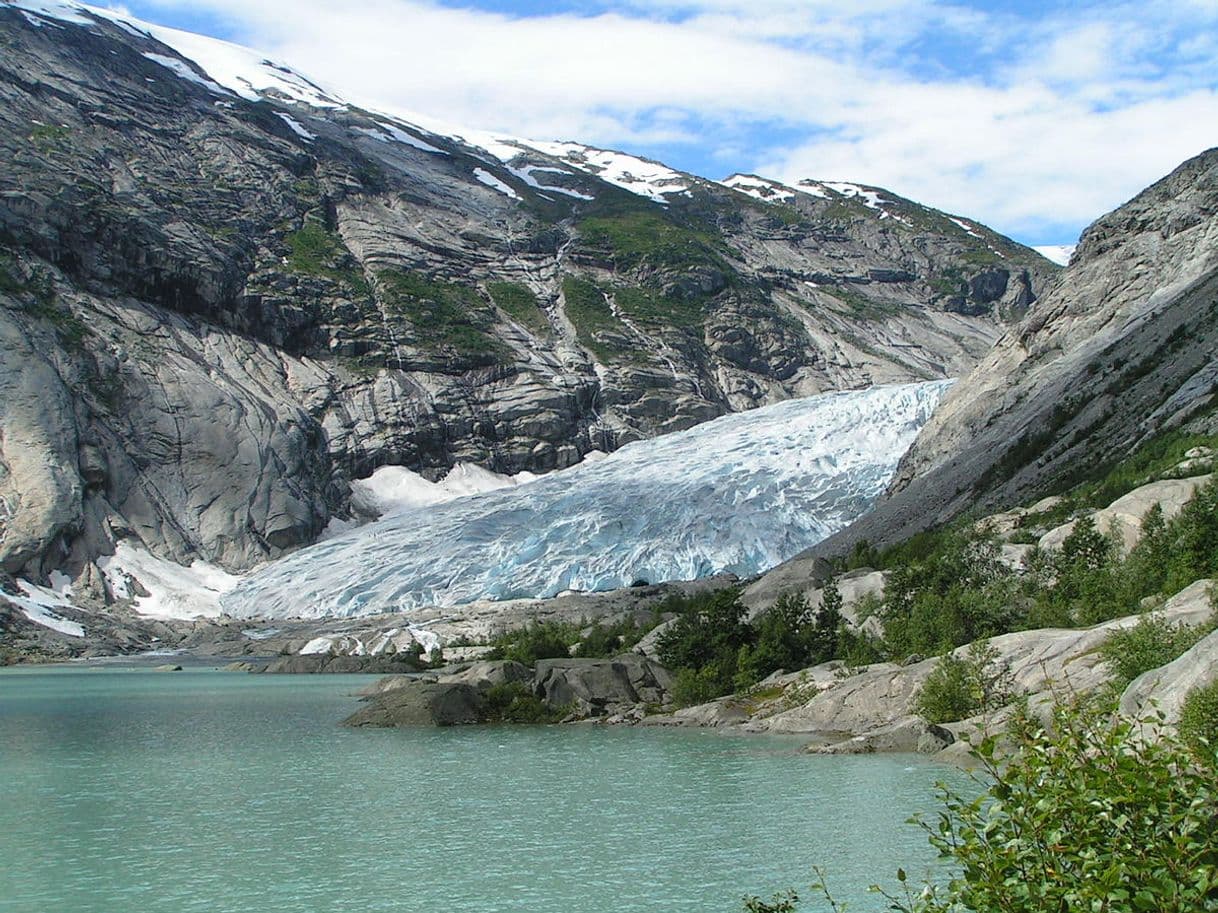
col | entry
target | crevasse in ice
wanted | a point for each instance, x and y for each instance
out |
(741, 493)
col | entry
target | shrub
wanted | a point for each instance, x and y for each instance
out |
(961, 687)
(1084, 815)
(1151, 643)
(512, 702)
(540, 640)
(710, 632)
(1199, 721)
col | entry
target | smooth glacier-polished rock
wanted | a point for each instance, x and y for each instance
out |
(738, 494)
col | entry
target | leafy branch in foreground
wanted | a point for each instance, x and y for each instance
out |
(1085, 815)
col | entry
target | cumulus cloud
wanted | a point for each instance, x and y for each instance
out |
(1033, 124)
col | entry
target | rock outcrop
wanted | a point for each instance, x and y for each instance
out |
(598, 687)
(422, 703)
(223, 303)
(575, 688)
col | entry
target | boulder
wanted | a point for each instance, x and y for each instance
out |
(422, 703)
(486, 674)
(908, 734)
(649, 645)
(802, 574)
(595, 687)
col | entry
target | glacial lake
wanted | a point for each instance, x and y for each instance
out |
(131, 790)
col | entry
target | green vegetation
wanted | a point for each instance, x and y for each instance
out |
(1199, 723)
(949, 588)
(519, 303)
(713, 651)
(634, 237)
(560, 639)
(42, 301)
(318, 252)
(444, 315)
(589, 312)
(512, 702)
(648, 306)
(1083, 815)
(9, 283)
(961, 687)
(1151, 643)
(48, 136)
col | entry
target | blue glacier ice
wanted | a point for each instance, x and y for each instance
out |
(741, 493)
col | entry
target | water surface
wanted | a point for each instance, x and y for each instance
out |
(130, 790)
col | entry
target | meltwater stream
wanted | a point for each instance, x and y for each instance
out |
(739, 494)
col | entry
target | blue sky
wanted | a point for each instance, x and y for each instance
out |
(1034, 117)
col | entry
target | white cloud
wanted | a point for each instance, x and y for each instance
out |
(1032, 125)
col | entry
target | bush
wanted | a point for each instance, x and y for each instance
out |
(1199, 721)
(1084, 815)
(713, 651)
(512, 702)
(1151, 643)
(540, 640)
(961, 687)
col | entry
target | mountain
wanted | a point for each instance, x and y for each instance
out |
(1124, 346)
(227, 294)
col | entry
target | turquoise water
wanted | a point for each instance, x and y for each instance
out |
(205, 791)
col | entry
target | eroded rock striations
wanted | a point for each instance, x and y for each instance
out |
(227, 294)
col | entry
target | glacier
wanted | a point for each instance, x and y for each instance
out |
(738, 494)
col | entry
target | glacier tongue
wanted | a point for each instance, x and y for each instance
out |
(740, 493)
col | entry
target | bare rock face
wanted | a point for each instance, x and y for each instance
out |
(422, 704)
(1120, 347)
(596, 687)
(219, 309)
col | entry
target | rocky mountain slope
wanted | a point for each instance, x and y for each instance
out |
(227, 293)
(1120, 348)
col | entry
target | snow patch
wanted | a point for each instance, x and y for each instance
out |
(1057, 253)
(295, 126)
(494, 183)
(182, 70)
(964, 225)
(393, 640)
(813, 189)
(759, 188)
(740, 493)
(393, 134)
(526, 174)
(638, 175)
(868, 196)
(37, 605)
(174, 591)
(393, 489)
(241, 70)
(64, 12)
